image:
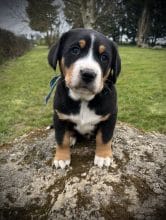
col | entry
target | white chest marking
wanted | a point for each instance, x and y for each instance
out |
(86, 119)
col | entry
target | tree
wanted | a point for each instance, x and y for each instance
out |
(141, 20)
(152, 22)
(144, 20)
(80, 13)
(110, 14)
(143, 24)
(158, 21)
(103, 15)
(43, 17)
(88, 13)
(132, 12)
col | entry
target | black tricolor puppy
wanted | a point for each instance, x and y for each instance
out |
(85, 101)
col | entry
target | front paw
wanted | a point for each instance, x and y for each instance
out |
(61, 163)
(62, 157)
(103, 161)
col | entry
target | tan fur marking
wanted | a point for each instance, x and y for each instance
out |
(102, 150)
(104, 79)
(66, 71)
(107, 74)
(63, 151)
(101, 49)
(82, 43)
(68, 75)
(101, 84)
(62, 65)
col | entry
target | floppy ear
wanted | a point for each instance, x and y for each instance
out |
(115, 64)
(53, 55)
(55, 52)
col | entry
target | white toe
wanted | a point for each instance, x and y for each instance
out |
(107, 161)
(102, 161)
(72, 141)
(55, 163)
(96, 160)
(67, 162)
(61, 163)
(99, 161)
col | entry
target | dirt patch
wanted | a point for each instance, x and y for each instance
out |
(132, 188)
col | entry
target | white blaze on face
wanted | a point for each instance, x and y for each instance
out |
(87, 62)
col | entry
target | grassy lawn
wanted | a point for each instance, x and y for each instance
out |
(24, 82)
(142, 88)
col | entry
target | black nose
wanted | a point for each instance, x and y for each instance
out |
(87, 75)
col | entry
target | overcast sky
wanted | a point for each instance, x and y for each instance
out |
(13, 16)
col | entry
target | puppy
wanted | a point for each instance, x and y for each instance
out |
(85, 101)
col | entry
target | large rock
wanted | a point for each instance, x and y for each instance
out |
(133, 188)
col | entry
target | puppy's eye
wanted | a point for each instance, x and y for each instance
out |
(75, 50)
(104, 58)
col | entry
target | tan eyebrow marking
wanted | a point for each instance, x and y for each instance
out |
(101, 48)
(82, 43)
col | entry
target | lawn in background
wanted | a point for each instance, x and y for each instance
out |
(142, 88)
(24, 82)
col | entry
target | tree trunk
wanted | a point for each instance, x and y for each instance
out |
(143, 25)
(88, 13)
(48, 39)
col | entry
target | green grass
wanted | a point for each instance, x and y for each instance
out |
(142, 88)
(25, 81)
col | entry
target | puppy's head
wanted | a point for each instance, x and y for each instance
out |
(86, 60)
